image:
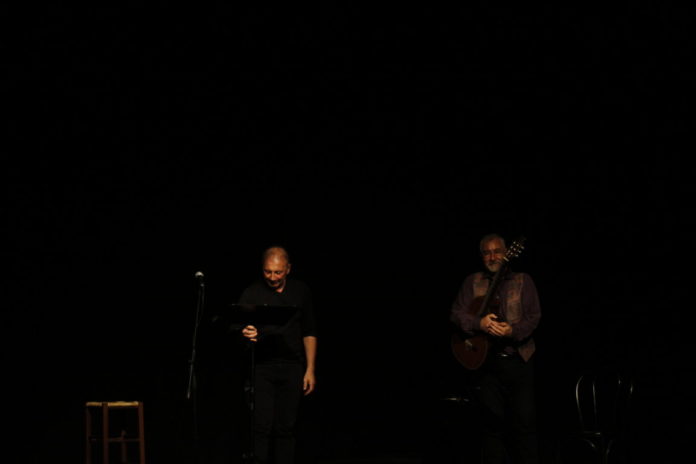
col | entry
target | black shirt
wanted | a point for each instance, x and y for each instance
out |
(283, 343)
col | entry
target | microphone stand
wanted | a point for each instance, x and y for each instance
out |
(191, 390)
(249, 456)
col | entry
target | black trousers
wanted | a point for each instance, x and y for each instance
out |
(507, 397)
(278, 391)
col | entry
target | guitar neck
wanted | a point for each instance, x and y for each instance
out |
(485, 306)
(512, 252)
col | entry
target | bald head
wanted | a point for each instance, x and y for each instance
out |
(276, 252)
(276, 267)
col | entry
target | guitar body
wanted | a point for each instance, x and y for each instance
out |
(470, 350)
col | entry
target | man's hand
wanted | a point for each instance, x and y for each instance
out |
(309, 382)
(491, 325)
(250, 333)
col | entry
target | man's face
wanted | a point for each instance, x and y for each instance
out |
(492, 253)
(275, 271)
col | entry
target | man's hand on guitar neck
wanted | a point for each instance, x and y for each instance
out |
(491, 325)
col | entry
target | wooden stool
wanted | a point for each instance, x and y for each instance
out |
(105, 438)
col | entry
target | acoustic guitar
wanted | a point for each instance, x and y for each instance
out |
(471, 350)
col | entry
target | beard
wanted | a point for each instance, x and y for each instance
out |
(493, 267)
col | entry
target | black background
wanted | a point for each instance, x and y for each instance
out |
(146, 143)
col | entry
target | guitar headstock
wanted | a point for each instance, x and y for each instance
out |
(515, 248)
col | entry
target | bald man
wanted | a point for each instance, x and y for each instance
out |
(285, 358)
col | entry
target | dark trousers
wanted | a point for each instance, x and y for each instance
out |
(278, 391)
(507, 398)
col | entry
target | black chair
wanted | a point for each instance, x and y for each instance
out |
(603, 400)
(104, 437)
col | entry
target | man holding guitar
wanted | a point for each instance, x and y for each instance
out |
(495, 313)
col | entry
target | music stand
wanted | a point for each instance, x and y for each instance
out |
(263, 317)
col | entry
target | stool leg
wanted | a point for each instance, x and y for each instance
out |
(124, 454)
(141, 432)
(88, 436)
(105, 432)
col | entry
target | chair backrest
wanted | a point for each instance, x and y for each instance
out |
(603, 399)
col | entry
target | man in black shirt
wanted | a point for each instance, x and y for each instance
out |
(285, 357)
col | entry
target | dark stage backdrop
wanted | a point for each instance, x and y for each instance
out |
(150, 143)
